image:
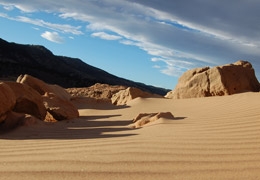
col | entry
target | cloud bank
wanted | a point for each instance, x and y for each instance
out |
(182, 34)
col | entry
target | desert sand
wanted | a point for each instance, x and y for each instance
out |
(209, 138)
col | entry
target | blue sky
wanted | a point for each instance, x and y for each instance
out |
(152, 42)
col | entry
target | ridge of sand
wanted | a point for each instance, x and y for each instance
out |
(210, 138)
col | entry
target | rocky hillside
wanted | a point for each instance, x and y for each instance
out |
(35, 60)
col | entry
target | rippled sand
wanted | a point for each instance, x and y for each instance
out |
(210, 138)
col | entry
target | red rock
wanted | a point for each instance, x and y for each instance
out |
(8, 100)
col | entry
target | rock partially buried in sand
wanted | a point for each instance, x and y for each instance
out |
(59, 108)
(217, 81)
(124, 96)
(145, 118)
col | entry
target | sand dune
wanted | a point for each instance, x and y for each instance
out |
(209, 138)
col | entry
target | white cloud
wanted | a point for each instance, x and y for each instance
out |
(35, 28)
(103, 35)
(128, 42)
(181, 34)
(64, 28)
(52, 36)
(9, 7)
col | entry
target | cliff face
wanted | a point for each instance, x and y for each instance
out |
(35, 60)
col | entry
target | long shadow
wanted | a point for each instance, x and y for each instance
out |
(86, 127)
(179, 118)
(92, 103)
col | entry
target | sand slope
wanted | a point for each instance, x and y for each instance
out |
(210, 138)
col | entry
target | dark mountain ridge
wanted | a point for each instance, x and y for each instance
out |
(38, 61)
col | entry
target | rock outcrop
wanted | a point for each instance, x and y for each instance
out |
(145, 118)
(124, 96)
(217, 81)
(97, 91)
(42, 87)
(55, 98)
(29, 99)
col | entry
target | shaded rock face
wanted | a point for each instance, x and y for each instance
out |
(145, 118)
(124, 96)
(217, 81)
(8, 100)
(28, 101)
(59, 108)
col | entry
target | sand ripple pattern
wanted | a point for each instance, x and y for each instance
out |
(211, 138)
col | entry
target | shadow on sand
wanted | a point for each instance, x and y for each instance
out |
(85, 127)
(92, 103)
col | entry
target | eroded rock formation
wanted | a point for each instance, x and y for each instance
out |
(29, 99)
(217, 81)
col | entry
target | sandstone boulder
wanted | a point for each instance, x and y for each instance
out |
(59, 108)
(145, 118)
(124, 96)
(42, 87)
(28, 101)
(8, 100)
(217, 81)
(56, 100)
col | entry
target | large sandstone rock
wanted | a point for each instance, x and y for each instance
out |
(217, 81)
(124, 96)
(55, 99)
(21, 104)
(28, 101)
(42, 87)
(8, 99)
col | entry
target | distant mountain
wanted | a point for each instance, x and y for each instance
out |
(38, 61)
